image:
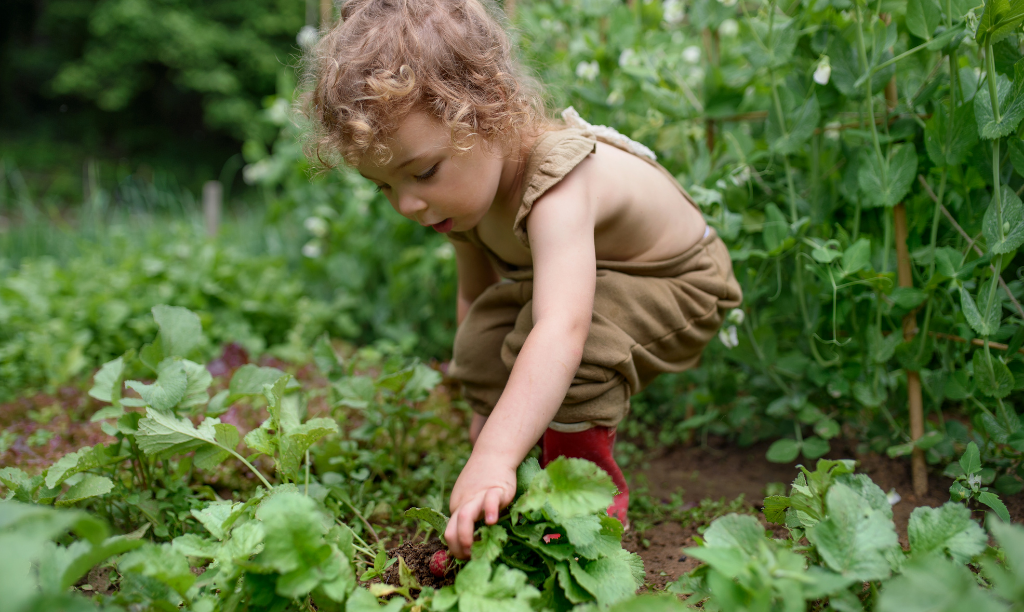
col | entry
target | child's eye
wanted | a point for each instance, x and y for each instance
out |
(380, 188)
(429, 173)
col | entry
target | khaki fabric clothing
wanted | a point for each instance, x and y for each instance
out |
(649, 317)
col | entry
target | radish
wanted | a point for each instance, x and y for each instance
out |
(439, 563)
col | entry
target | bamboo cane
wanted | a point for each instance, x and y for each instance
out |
(919, 471)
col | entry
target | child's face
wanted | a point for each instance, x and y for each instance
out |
(430, 182)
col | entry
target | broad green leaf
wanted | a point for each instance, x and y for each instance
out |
(214, 514)
(437, 521)
(198, 380)
(327, 361)
(740, 531)
(90, 485)
(886, 182)
(853, 537)
(1016, 146)
(211, 456)
(294, 532)
(162, 563)
(983, 325)
(107, 382)
(567, 488)
(814, 447)
(1011, 104)
(42, 523)
(935, 584)
(1011, 540)
(609, 580)
(764, 51)
(947, 261)
(962, 135)
(949, 528)
(605, 542)
(783, 451)
(992, 377)
(488, 547)
(998, 20)
(570, 586)
(775, 508)
(164, 435)
(776, 228)
(992, 501)
(249, 380)
(169, 388)
(971, 460)
(881, 348)
(863, 486)
(801, 123)
(292, 446)
(421, 383)
(180, 330)
(85, 458)
(857, 257)
(1008, 236)
(923, 17)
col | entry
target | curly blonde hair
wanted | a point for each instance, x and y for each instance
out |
(386, 58)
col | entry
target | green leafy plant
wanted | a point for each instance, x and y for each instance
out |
(851, 542)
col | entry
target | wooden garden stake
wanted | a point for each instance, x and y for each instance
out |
(326, 13)
(213, 194)
(919, 471)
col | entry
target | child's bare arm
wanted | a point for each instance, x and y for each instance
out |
(561, 230)
(475, 275)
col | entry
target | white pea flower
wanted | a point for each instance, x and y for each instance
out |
(736, 316)
(615, 98)
(728, 28)
(728, 2)
(316, 226)
(628, 58)
(312, 249)
(588, 71)
(445, 251)
(307, 37)
(255, 173)
(893, 497)
(672, 11)
(739, 177)
(691, 54)
(823, 71)
(974, 480)
(832, 130)
(279, 112)
(728, 337)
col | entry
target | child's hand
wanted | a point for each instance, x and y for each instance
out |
(485, 486)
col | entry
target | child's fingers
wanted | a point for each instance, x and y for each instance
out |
(492, 503)
(467, 525)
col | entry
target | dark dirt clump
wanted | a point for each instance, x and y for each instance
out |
(417, 556)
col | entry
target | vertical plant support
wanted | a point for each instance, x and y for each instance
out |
(919, 471)
(213, 194)
(326, 13)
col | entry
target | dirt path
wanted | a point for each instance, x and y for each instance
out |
(722, 471)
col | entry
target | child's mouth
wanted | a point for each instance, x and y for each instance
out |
(444, 227)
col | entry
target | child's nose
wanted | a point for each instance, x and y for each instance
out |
(409, 205)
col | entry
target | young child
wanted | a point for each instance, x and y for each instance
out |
(610, 274)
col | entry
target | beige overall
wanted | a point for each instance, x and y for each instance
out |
(649, 317)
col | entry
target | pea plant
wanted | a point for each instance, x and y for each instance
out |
(863, 161)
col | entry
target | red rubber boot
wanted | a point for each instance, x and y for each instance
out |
(594, 444)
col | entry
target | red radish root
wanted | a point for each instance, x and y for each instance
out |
(439, 563)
